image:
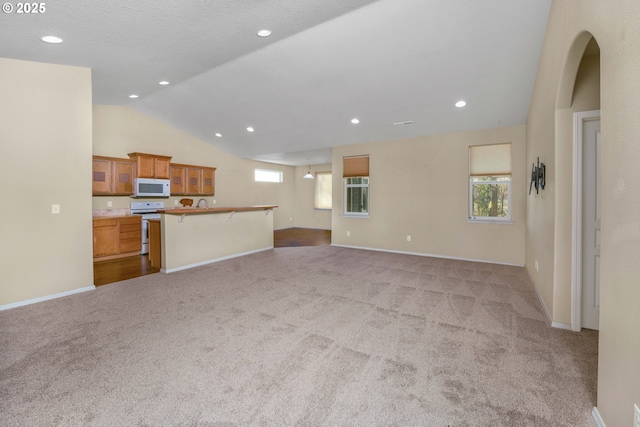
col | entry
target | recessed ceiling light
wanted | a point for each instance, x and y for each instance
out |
(163, 83)
(460, 104)
(250, 129)
(355, 121)
(133, 96)
(219, 135)
(264, 33)
(51, 39)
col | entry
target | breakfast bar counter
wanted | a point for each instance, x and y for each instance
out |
(191, 237)
(191, 211)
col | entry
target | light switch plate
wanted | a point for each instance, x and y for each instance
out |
(55, 209)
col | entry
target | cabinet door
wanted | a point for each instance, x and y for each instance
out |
(102, 176)
(208, 182)
(193, 181)
(178, 184)
(123, 176)
(105, 237)
(146, 167)
(155, 249)
(161, 168)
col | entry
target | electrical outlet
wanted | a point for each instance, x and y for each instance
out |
(175, 203)
(348, 233)
(537, 266)
(290, 219)
(408, 238)
(214, 201)
(636, 416)
(55, 209)
(109, 203)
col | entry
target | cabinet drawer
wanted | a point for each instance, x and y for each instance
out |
(135, 220)
(126, 228)
(131, 235)
(105, 223)
(130, 245)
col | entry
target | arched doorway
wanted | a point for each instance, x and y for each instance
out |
(577, 114)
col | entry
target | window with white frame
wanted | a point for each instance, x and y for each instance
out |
(265, 175)
(323, 190)
(356, 186)
(490, 182)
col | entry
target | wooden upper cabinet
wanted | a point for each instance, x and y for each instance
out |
(151, 165)
(123, 176)
(208, 181)
(190, 180)
(193, 181)
(112, 176)
(178, 179)
(102, 176)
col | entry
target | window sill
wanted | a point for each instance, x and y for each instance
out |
(491, 221)
(354, 216)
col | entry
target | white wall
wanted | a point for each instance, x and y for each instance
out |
(616, 28)
(420, 187)
(46, 159)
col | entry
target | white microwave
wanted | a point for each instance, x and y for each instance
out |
(149, 187)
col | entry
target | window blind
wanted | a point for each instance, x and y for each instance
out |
(323, 190)
(490, 160)
(355, 166)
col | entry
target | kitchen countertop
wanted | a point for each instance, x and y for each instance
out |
(191, 211)
(114, 216)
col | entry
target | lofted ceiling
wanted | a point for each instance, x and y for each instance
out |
(326, 62)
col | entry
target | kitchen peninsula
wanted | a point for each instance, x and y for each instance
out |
(190, 237)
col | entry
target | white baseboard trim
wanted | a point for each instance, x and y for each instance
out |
(46, 298)
(544, 306)
(553, 323)
(211, 261)
(564, 326)
(597, 418)
(427, 255)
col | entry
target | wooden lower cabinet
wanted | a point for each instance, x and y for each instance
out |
(155, 244)
(115, 237)
(105, 237)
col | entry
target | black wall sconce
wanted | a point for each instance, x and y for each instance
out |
(538, 173)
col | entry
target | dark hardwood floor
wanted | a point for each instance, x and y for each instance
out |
(115, 270)
(301, 237)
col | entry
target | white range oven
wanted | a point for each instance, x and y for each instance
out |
(148, 210)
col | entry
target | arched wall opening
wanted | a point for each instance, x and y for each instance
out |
(579, 91)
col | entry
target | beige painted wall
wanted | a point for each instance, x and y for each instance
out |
(420, 187)
(198, 239)
(305, 213)
(120, 130)
(616, 27)
(46, 159)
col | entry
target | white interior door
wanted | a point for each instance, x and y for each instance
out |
(591, 224)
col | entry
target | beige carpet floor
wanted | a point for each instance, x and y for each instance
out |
(312, 336)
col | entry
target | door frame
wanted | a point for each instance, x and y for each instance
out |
(579, 118)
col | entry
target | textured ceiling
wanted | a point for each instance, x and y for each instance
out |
(327, 61)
